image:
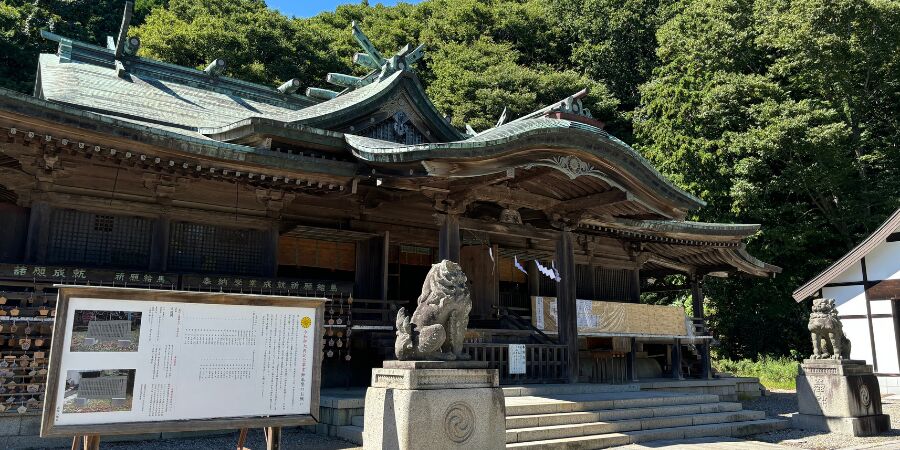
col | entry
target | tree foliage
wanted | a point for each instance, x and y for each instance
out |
(777, 112)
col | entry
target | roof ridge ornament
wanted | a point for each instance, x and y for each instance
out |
(370, 58)
(124, 45)
(569, 106)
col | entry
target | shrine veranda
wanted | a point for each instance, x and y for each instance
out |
(130, 172)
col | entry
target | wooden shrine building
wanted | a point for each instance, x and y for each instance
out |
(122, 170)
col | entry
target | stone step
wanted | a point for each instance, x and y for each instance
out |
(529, 405)
(619, 426)
(357, 421)
(598, 441)
(576, 388)
(350, 433)
(541, 420)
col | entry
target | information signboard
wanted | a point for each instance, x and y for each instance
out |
(127, 361)
(516, 359)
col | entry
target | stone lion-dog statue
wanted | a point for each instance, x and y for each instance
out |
(828, 338)
(438, 325)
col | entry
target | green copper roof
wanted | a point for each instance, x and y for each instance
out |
(185, 141)
(523, 136)
(85, 76)
(349, 108)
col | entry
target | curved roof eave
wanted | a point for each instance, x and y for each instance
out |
(517, 138)
(748, 263)
(688, 229)
(356, 103)
(172, 140)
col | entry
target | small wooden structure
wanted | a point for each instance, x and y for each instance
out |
(865, 284)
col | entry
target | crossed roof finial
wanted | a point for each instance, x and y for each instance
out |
(372, 59)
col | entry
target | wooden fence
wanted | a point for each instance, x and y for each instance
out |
(544, 363)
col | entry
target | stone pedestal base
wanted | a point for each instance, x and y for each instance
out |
(840, 396)
(434, 405)
(856, 426)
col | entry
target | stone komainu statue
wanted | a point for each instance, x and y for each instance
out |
(438, 325)
(828, 338)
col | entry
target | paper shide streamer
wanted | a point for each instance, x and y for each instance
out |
(519, 265)
(549, 272)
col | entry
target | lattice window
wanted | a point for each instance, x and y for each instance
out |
(202, 248)
(613, 284)
(397, 128)
(84, 238)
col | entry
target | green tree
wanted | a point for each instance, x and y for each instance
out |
(613, 41)
(258, 43)
(775, 112)
(21, 22)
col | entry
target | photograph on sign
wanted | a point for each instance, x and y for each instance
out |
(139, 360)
(92, 391)
(106, 331)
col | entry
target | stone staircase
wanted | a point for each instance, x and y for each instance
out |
(594, 416)
(352, 432)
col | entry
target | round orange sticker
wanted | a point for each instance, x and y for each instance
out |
(306, 322)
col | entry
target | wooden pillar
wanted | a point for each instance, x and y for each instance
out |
(448, 238)
(367, 271)
(271, 268)
(565, 302)
(676, 360)
(385, 263)
(38, 233)
(697, 296)
(159, 244)
(706, 364)
(534, 278)
(632, 361)
(634, 294)
(699, 318)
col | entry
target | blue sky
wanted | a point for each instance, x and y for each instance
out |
(309, 8)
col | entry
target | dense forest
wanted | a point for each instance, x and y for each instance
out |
(779, 112)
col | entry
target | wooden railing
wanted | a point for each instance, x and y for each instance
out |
(517, 301)
(522, 323)
(376, 311)
(543, 363)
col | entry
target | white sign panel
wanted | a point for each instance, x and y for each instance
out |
(516, 359)
(142, 361)
(539, 312)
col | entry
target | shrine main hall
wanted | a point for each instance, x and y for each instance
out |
(126, 171)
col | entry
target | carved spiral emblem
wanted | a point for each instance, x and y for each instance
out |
(459, 422)
(864, 396)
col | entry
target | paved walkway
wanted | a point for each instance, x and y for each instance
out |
(709, 443)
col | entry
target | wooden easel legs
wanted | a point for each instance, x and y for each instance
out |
(272, 434)
(273, 440)
(90, 442)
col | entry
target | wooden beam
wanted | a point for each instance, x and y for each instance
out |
(592, 201)
(504, 195)
(507, 229)
(884, 290)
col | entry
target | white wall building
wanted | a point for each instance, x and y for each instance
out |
(865, 284)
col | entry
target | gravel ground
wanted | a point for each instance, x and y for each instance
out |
(291, 439)
(784, 404)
